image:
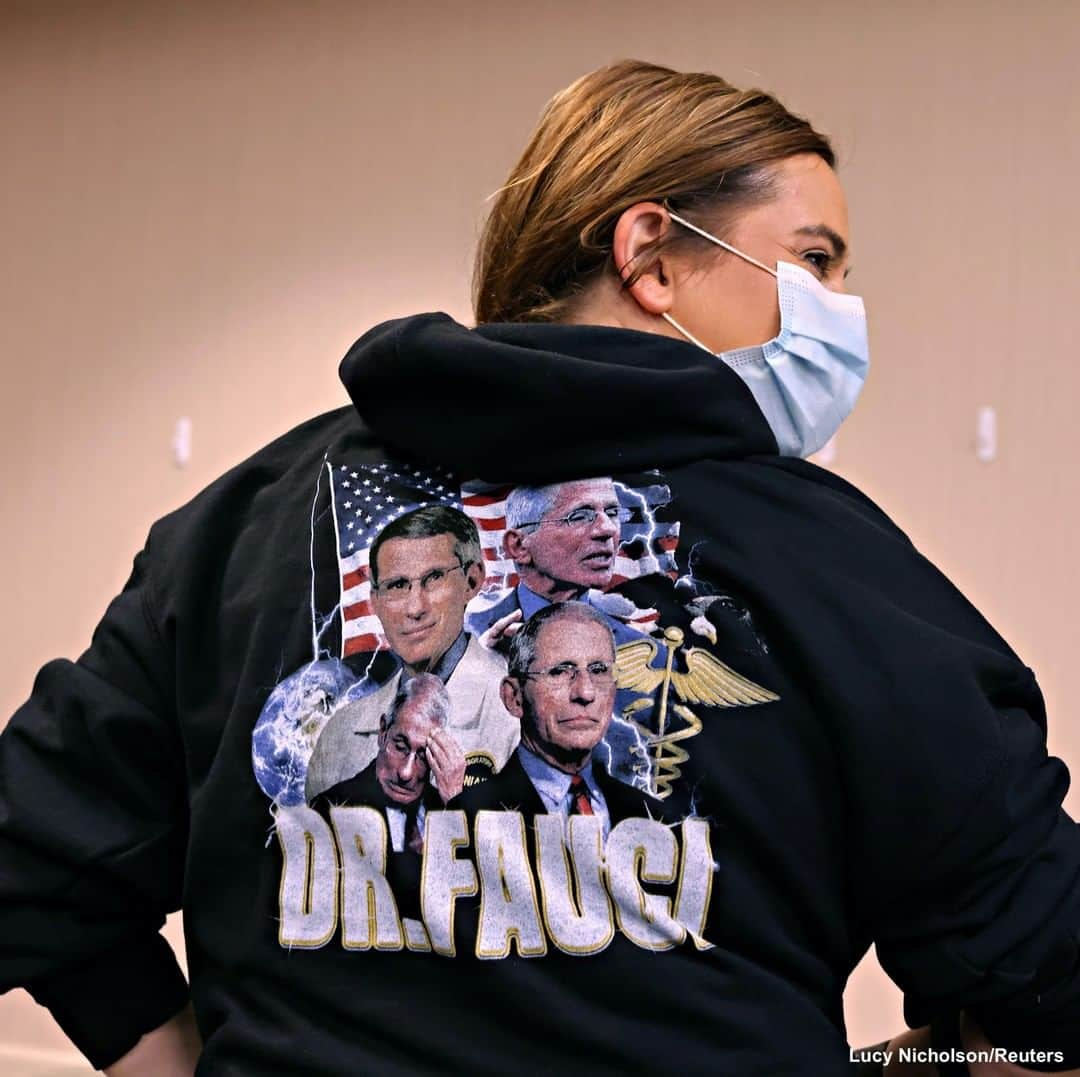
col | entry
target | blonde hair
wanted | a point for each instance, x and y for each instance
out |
(627, 133)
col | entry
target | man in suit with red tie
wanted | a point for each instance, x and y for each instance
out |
(560, 684)
(418, 767)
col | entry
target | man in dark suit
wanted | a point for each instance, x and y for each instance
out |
(560, 684)
(413, 746)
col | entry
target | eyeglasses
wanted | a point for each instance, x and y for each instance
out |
(432, 583)
(399, 748)
(566, 673)
(585, 517)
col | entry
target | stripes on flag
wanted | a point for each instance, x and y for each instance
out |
(485, 504)
(367, 497)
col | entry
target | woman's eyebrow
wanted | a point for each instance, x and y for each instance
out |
(824, 231)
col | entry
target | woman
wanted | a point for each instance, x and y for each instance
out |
(758, 730)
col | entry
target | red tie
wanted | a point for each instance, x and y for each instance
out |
(579, 803)
(414, 840)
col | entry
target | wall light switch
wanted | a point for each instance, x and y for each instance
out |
(181, 443)
(986, 435)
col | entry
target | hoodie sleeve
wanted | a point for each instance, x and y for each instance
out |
(981, 908)
(964, 868)
(968, 866)
(93, 834)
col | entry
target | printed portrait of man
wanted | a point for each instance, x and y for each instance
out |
(560, 685)
(418, 768)
(563, 539)
(424, 568)
(418, 765)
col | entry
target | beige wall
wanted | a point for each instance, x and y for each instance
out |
(203, 204)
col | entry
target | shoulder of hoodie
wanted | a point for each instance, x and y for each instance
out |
(786, 515)
(227, 505)
(791, 518)
(803, 489)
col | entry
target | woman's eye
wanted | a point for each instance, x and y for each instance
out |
(820, 260)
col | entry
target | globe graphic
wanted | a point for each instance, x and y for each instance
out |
(290, 722)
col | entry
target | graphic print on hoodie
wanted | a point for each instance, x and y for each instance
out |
(486, 754)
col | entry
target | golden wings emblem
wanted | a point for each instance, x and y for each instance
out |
(707, 681)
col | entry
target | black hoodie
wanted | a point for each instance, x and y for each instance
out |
(820, 745)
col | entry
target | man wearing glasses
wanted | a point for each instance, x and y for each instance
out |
(413, 744)
(418, 768)
(424, 567)
(560, 685)
(562, 539)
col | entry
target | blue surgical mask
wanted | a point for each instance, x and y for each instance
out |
(806, 379)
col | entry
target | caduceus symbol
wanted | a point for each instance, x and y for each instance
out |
(706, 681)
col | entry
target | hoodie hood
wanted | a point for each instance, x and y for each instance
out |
(530, 402)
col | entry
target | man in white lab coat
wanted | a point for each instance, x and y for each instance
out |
(425, 567)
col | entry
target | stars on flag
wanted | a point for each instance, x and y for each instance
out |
(370, 496)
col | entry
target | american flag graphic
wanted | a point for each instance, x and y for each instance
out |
(366, 497)
(646, 545)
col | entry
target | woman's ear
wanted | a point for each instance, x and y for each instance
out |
(640, 226)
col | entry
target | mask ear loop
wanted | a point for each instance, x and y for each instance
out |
(720, 243)
(727, 246)
(686, 333)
